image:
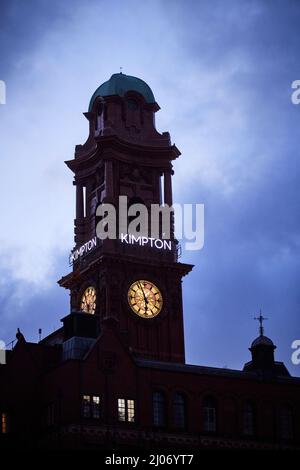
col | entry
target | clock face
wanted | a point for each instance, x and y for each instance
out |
(88, 300)
(145, 299)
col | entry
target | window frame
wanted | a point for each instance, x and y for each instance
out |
(129, 410)
(181, 406)
(90, 409)
(162, 412)
(246, 422)
(288, 424)
(210, 408)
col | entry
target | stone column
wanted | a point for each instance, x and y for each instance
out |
(109, 179)
(79, 201)
(88, 199)
(168, 199)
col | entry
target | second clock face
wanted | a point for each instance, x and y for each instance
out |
(88, 300)
(145, 299)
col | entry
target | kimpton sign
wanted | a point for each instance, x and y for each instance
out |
(83, 250)
(126, 238)
(142, 241)
(130, 225)
(151, 225)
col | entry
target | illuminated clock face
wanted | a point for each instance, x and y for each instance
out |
(88, 300)
(145, 299)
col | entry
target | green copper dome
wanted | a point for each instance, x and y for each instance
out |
(119, 84)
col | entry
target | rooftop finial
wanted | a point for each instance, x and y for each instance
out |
(121, 68)
(261, 320)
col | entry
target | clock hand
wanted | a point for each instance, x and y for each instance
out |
(145, 298)
(140, 286)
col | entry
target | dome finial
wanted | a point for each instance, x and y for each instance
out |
(121, 68)
(261, 320)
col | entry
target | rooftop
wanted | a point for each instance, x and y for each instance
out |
(119, 84)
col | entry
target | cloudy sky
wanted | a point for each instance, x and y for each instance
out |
(222, 74)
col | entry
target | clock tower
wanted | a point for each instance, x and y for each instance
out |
(133, 288)
(114, 377)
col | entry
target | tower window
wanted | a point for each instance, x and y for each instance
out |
(248, 419)
(179, 411)
(99, 117)
(4, 423)
(138, 213)
(126, 410)
(209, 415)
(286, 423)
(132, 105)
(91, 406)
(159, 409)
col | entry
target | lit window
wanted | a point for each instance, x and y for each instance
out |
(121, 410)
(210, 415)
(159, 409)
(126, 410)
(4, 423)
(130, 411)
(248, 419)
(91, 406)
(286, 423)
(179, 411)
(86, 409)
(96, 407)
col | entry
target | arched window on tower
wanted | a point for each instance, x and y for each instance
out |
(179, 411)
(286, 423)
(159, 409)
(209, 414)
(139, 215)
(99, 118)
(133, 116)
(132, 104)
(248, 419)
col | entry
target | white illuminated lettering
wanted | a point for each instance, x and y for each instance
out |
(87, 247)
(142, 241)
(167, 245)
(151, 240)
(124, 238)
(158, 243)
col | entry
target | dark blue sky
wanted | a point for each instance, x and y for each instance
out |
(222, 74)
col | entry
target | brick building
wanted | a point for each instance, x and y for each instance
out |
(114, 376)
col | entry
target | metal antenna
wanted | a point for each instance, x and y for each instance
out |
(260, 319)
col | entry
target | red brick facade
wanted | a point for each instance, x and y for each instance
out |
(115, 380)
